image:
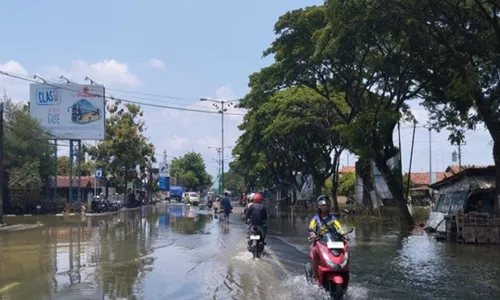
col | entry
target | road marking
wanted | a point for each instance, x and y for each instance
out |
(8, 287)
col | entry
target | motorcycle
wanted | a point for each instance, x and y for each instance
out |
(210, 203)
(332, 263)
(256, 241)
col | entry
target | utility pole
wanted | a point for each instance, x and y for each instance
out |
(459, 157)
(1, 163)
(430, 156)
(220, 166)
(220, 106)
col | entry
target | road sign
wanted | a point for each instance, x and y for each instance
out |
(99, 173)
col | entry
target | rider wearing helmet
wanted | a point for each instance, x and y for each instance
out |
(323, 220)
(257, 213)
(320, 224)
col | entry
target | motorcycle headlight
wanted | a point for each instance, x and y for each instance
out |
(330, 263)
(345, 260)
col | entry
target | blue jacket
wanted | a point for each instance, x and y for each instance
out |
(225, 203)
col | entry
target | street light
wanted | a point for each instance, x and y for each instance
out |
(219, 105)
(219, 160)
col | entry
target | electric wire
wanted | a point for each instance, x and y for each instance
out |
(121, 99)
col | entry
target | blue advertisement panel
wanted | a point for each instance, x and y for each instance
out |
(164, 183)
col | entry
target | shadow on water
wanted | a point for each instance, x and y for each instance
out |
(181, 252)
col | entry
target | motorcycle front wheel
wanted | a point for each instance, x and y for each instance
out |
(336, 291)
(309, 273)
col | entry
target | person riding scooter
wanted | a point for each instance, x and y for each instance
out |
(321, 222)
(256, 215)
(249, 203)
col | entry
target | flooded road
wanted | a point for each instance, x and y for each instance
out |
(178, 252)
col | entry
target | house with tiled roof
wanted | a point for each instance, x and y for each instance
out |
(347, 169)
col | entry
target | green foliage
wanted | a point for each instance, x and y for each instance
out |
(25, 184)
(234, 181)
(25, 142)
(87, 168)
(462, 62)
(347, 184)
(125, 148)
(191, 171)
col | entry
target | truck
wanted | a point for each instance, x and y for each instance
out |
(176, 193)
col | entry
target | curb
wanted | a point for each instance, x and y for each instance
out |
(85, 214)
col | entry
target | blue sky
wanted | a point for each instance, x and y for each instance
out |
(182, 50)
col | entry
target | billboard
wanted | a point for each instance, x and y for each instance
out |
(69, 111)
(164, 180)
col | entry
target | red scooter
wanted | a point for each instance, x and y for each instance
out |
(329, 267)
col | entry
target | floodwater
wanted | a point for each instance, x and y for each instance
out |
(179, 252)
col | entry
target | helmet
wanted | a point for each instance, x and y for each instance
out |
(257, 198)
(251, 196)
(322, 200)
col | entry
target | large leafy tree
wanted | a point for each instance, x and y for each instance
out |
(28, 163)
(126, 152)
(309, 125)
(356, 48)
(234, 181)
(190, 170)
(462, 61)
(25, 141)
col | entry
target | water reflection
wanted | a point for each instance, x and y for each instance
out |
(67, 254)
(180, 252)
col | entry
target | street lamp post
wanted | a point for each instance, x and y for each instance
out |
(220, 106)
(219, 163)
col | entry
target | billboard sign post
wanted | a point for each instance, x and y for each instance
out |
(164, 180)
(69, 111)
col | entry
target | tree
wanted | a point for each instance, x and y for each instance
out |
(356, 48)
(234, 181)
(25, 184)
(462, 63)
(307, 122)
(125, 151)
(191, 171)
(87, 168)
(347, 184)
(25, 141)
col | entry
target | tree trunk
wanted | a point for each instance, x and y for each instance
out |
(319, 182)
(393, 181)
(363, 170)
(335, 181)
(496, 157)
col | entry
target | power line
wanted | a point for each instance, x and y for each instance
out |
(19, 77)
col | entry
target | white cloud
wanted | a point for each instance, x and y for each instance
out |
(13, 67)
(15, 88)
(201, 129)
(176, 142)
(155, 63)
(107, 72)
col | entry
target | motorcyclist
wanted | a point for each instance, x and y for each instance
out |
(249, 203)
(320, 224)
(256, 215)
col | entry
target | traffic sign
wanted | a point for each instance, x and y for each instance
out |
(99, 173)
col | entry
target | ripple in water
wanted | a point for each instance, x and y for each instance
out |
(301, 289)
